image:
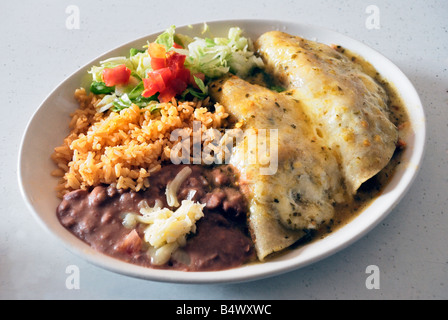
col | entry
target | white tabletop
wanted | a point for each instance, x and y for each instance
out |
(41, 46)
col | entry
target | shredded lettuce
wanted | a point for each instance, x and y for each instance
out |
(167, 37)
(201, 85)
(218, 56)
(134, 51)
(213, 57)
(106, 103)
(99, 87)
(202, 93)
(141, 63)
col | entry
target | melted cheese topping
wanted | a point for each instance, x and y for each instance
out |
(301, 192)
(348, 108)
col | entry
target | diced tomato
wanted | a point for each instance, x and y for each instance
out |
(157, 63)
(158, 79)
(177, 46)
(169, 77)
(184, 75)
(178, 85)
(167, 95)
(176, 63)
(152, 86)
(175, 60)
(116, 76)
(166, 75)
(157, 52)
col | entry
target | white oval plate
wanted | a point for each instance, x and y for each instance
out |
(48, 127)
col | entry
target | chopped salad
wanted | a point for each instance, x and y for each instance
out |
(173, 66)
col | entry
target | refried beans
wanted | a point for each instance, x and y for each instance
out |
(221, 240)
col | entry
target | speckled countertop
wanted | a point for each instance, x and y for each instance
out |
(409, 246)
